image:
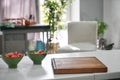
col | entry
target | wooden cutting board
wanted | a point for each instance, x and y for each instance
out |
(77, 65)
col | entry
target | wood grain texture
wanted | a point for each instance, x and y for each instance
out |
(77, 65)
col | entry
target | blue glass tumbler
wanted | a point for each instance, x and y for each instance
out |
(40, 45)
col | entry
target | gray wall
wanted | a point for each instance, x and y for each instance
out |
(112, 17)
(91, 9)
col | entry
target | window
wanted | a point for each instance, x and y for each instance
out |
(61, 34)
(17, 8)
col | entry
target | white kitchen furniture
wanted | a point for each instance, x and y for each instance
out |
(28, 71)
(82, 36)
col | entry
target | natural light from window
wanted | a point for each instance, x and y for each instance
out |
(60, 34)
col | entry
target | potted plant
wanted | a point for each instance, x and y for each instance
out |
(53, 11)
(101, 28)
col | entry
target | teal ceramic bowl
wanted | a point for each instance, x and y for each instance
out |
(36, 58)
(12, 62)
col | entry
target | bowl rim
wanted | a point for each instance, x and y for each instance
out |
(3, 55)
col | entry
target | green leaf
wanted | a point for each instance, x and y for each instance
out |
(53, 11)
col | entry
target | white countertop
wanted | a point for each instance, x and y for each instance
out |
(28, 71)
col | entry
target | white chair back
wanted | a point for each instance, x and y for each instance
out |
(82, 31)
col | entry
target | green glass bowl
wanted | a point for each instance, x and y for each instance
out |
(36, 58)
(11, 62)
